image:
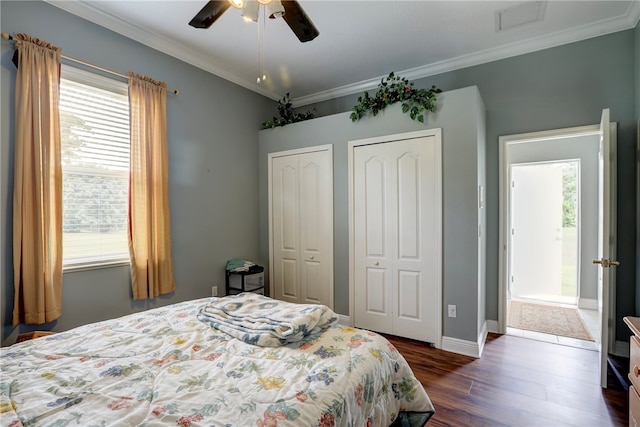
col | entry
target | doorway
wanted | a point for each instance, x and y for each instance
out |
(545, 217)
(551, 208)
(555, 145)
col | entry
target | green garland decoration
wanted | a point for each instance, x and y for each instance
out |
(394, 89)
(287, 115)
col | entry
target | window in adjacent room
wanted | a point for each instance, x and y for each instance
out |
(94, 125)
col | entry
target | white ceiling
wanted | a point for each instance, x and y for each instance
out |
(359, 41)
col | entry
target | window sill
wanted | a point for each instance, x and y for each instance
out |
(94, 265)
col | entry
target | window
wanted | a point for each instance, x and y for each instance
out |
(94, 127)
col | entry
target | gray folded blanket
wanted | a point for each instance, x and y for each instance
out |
(260, 320)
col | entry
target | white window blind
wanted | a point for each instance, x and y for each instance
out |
(94, 125)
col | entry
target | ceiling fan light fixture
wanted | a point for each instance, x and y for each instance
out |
(275, 9)
(290, 11)
(250, 11)
(239, 4)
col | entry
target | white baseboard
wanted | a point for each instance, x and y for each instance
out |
(344, 320)
(466, 348)
(470, 348)
(588, 303)
(621, 349)
(492, 326)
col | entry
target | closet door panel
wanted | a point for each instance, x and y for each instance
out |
(315, 222)
(375, 301)
(285, 203)
(311, 282)
(288, 278)
(376, 291)
(373, 293)
(409, 295)
(408, 190)
(375, 207)
(416, 173)
(310, 200)
(289, 206)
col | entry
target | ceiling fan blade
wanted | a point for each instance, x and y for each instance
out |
(210, 13)
(298, 21)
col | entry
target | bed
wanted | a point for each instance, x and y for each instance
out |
(170, 366)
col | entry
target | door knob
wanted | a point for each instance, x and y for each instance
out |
(376, 263)
(605, 263)
(311, 257)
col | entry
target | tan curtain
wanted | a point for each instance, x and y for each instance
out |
(37, 187)
(149, 220)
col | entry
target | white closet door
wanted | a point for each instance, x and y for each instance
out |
(416, 188)
(373, 236)
(397, 245)
(302, 226)
(285, 228)
(316, 223)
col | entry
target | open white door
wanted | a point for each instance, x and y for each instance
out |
(605, 233)
(536, 232)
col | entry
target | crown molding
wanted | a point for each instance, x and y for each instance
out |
(607, 26)
(88, 10)
(634, 13)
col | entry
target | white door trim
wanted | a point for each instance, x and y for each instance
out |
(379, 140)
(504, 178)
(296, 151)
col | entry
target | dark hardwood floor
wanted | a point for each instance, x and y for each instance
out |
(516, 382)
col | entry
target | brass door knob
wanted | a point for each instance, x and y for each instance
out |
(605, 263)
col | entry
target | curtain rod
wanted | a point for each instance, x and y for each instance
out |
(7, 36)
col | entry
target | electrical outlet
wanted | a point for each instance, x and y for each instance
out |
(214, 291)
(452, 310)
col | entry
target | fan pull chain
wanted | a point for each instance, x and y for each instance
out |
(259, 56)
(262, 47)
(264, 43)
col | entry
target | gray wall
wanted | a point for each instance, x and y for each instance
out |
(212, 134)
(555, 88)
(584, 148)
(461, 117)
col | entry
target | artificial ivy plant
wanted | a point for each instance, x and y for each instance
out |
(287, 115)
(394, 89)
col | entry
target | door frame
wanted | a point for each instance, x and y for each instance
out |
(437, 132)
(504, 178)
(331, 258)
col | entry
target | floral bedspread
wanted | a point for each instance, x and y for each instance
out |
(163, 367)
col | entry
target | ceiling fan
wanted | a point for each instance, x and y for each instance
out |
(290, 10)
